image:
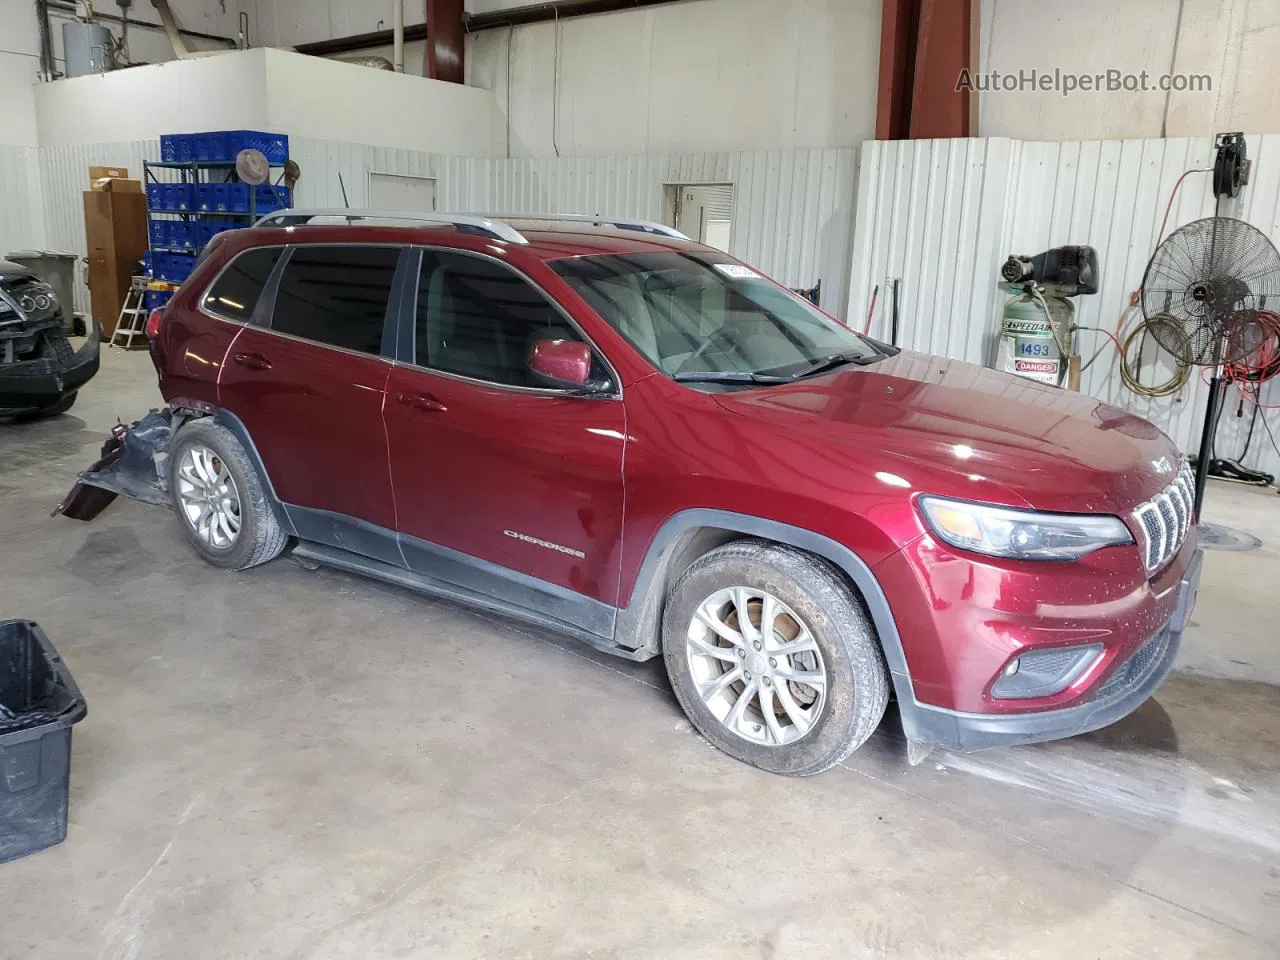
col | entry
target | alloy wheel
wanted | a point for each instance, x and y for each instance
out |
(756, 666)
(208, 497)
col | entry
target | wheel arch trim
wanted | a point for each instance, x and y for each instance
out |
(631, 627)
(229, 421)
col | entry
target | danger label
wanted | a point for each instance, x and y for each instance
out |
(1036, 366)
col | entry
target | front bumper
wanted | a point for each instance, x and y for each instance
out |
(33, 385)
(1128, 687)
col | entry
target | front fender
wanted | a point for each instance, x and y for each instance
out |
(639, 624)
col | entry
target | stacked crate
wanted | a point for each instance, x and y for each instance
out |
(193, 194)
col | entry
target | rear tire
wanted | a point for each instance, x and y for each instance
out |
(819, 686)
(220, 500)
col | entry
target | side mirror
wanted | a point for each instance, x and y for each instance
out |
(565, 365)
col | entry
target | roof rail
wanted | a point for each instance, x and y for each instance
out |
(466, 223)
(621, 223)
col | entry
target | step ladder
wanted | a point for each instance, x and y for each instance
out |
(131, 325)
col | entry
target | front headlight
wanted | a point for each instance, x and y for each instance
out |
(1019, 534)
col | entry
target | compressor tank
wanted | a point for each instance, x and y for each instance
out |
(1028, 346)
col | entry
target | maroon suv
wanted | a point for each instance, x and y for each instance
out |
(613, 432)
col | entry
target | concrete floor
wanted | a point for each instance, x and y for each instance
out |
(308, 765)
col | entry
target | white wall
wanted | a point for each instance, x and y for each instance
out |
(315, 97)
(19, 69)
(1236, 42)
(22, 225)
(943, 214)
(705, 75)
(793, 212)
(20, 49)
(224, 92)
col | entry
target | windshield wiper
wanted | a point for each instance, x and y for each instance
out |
(727, 376)
(830, 363)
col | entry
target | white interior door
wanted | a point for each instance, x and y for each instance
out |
(391, 191)
(704, 212)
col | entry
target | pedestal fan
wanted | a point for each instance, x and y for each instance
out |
(1201, 296)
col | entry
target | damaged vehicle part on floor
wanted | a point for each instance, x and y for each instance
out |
(132, 463)
(40, 372)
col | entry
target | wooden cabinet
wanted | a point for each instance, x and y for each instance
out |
(115, 226)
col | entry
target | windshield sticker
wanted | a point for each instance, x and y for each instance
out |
(736, 271)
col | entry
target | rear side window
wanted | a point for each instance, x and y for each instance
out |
(236, 291)
(477, 319)
(336, 295)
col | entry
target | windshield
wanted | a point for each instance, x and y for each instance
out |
(698, 315)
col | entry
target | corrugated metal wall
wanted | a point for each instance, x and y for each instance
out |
(64, 175)
(21, 219)
(943, 214)
(793, 209)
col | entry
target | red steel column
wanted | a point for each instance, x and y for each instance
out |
(924, 45)
(446, 49)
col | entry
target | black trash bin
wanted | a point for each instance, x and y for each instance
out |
(38, 704)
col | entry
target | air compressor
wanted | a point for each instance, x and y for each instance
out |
(1037, 323)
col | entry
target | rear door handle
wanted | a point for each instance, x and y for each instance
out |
(254, 361)
(421, 401)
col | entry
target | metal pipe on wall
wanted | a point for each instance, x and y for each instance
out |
(66, 6)
(397, 35)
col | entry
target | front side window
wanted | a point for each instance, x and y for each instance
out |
(698, 315)
(336, 295)
(236, 292)
(476, 318)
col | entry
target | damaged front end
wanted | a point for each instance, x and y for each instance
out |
(39, 370)
(133, 464)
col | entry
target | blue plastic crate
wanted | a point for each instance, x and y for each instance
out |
(269, 197)
(174, 267)
(237, 195)
(180, 196)
(148, 262)
(158, 232)
(275, 146)
(209, 146)
(211, 197)
(155, 299)
(175, 147)
(181, 236)
(155, 196)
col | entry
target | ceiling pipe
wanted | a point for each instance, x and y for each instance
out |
(560, 10)
(171, 29)
(475, 23)
(446, 41)
(66, 6)
(397, 36)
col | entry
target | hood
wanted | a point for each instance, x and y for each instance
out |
(12, 271)
(958, 429)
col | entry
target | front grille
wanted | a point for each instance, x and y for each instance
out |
(1165, 520)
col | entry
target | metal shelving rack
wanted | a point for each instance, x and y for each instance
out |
(194, 173)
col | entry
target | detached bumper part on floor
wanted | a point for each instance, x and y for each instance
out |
(1130, 686)
(33, 385)
(128, 467)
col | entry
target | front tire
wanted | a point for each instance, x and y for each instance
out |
(220, 500)
(773, 658)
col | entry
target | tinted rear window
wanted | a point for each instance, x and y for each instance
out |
(236, 291)
(336, 295)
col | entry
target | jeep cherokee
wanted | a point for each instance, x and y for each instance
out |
(611, 431)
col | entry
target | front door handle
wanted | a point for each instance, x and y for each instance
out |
(253, 361)
(422, 401)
